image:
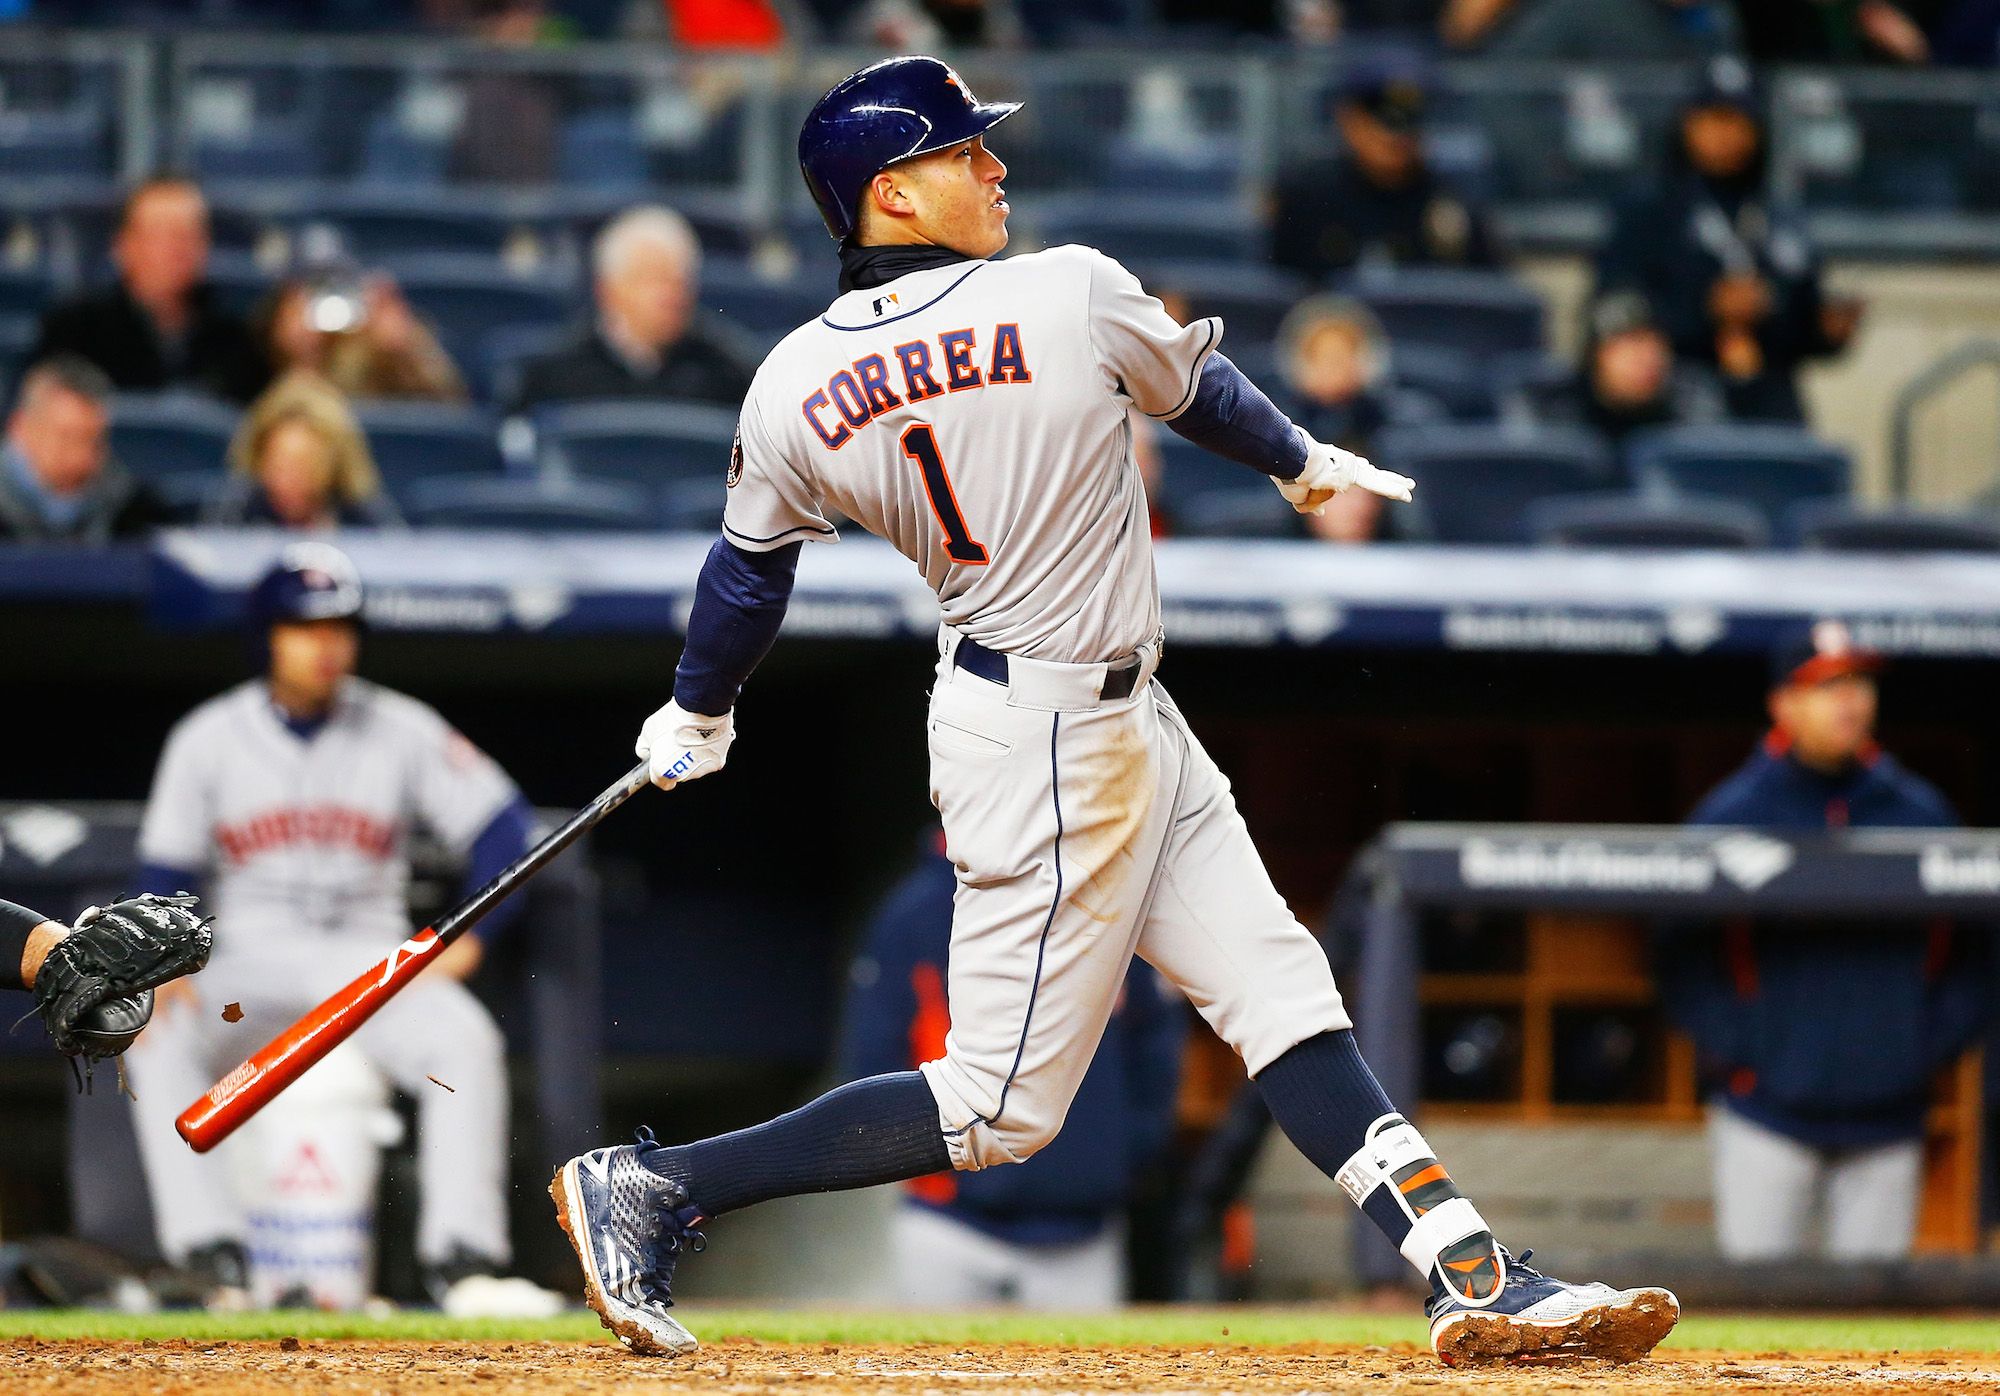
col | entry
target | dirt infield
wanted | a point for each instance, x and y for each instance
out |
(732, 1365)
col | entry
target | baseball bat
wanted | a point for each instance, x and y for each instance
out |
(289, 1055)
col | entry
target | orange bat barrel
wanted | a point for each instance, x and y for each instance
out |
(289, 1055)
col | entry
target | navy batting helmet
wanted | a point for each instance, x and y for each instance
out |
(309, 581)
(889, 111)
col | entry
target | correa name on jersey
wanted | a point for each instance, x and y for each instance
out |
(862, 391)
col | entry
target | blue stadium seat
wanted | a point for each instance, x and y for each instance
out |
(1475, 483)
(1205, 496)
(1770, 468)
(1141, 229)
(466, 298)
(1457, 382)
(537, 506)
(768, 309)
(279, 152)
(17, 336)
(41, 145)
(371, 231)
(650, 444)
(493, 372)
(392, 154)
(1474, 312)
(1839, 527)
(414, 440)
(176, 443)
(692, 505)
(25, 290)
(601, 150)
(1640, 521)
(1252, 300)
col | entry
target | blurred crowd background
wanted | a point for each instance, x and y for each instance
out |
(1671, 278)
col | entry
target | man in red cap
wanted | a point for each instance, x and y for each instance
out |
(1819, 1040)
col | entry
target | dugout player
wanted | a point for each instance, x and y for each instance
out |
(292, 797)
(973, 413)
(1818, 1111)
(1049, 1234)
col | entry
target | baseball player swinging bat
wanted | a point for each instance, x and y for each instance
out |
(289, 1055)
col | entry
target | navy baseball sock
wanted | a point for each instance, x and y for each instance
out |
(1330, 1105)
(1324, 1097)
(881, 1130)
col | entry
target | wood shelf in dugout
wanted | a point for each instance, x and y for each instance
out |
(1505, 971)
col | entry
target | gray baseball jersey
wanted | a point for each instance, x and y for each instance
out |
(974, 415)
(308, 838)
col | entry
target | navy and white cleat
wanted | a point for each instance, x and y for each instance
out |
(629, 1226)
(1539, 1319)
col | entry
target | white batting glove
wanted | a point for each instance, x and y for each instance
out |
(1330, 471)
(678, 745)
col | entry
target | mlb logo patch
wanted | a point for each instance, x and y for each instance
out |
(883, 302)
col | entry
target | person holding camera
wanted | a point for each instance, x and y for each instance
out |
(360, 334)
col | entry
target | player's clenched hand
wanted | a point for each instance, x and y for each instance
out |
(1330, 471)
(678, 745)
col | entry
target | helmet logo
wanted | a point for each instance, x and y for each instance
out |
(952, 79)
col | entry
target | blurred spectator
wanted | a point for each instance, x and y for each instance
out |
(1048, 1233)
(1466, 23)
(160, 325)
(1378, 204)
(1821, 1040)
(1337, 387)
(1968, 34)
(1734, 277)
(1837, 31)
(645, 342)
(362, 337)
(58, 482)
(1597, 31)
(1629, 379)
(300, 461)
(509, 131)
(923, 26)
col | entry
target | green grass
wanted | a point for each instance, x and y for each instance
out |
(1749, 1334)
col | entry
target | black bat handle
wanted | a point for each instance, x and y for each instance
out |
(467, 913)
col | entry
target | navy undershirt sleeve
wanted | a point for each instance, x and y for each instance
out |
(1232, 417)
(168, 881)
(502, 841)
(739, 603)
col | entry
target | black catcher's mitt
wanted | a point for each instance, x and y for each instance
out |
(94, 991)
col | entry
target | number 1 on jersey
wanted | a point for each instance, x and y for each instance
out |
(920, 445)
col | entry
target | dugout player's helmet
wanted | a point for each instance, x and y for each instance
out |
(309, 581)
(889, 111)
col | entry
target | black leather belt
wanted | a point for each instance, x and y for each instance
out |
(991, 665)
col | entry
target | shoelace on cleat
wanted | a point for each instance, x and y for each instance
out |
(679, 1234)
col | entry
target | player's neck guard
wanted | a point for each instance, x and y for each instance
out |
(862, 267)
(1396, 1179)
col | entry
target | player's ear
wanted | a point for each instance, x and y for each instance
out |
(889, 193)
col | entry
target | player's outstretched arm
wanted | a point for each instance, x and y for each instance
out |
(739, 603)
(1232, 417)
